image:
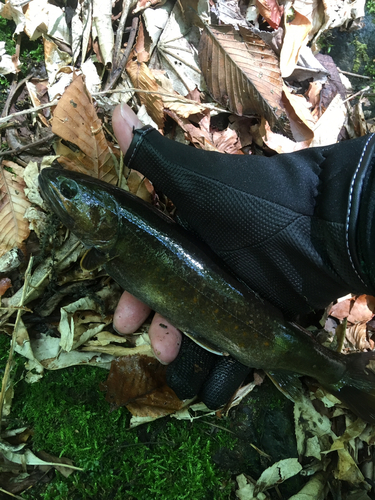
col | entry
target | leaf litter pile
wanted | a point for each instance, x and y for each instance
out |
(235, 77)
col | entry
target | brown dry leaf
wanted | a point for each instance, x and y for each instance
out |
(280, 143)
(143, 79)
(227, 141)
(144, 4)
(341, 310)
(139, 185)
(242, 72)
(139, 383)
(143, 54)
(271, 11)
(313, 96)
(5, 283)
(182, 106)
(14, 229)
(198, 136)
(362, 309)
(357, 335)
(302, 122)
(296, 33)
(75, 120)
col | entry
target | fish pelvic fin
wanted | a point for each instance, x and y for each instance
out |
(356, 389)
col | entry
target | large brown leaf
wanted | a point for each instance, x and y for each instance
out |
(14, 229)
(242, 72)
(75, 120)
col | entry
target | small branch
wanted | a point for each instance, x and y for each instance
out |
(357, 93)
(7, 118)
(120, 31)
(9, 365)
(119, 66)
(27, 146)
(11, 494)
(354, 74)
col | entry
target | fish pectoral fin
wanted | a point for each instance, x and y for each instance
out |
(93, 259)
(288, 383)
(206, 344)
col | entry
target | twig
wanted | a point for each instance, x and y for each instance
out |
(165, 94)
(119, 66)
(15, 86)
(354, 74)
(7, 118)
(120, 30)
(27, 146)
(9, 364)
(11, 494)
(357, 93)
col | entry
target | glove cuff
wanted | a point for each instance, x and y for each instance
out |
(361, 215)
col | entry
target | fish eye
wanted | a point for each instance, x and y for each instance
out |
(68, 188)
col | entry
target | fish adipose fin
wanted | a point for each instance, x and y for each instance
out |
(356, 389)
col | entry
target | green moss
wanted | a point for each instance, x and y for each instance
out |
(325, 42)
(165, 459)
(361, 56)
(6, 34)
(370, 6)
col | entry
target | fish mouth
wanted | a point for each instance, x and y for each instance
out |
(49, 190)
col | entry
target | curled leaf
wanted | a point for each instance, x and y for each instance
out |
(14, 229)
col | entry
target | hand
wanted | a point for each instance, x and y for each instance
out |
(296, 228)
(217, 378)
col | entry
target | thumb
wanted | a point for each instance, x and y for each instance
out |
(124, 120)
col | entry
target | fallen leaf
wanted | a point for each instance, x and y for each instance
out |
(347, 469)
(139, 383)
(301, 120)
(277, 473)
(75, 120)
(177, 50)
(242, 72)
(145, 4)
(14, 229)
(362, 309)
(314, 489)
(143, 79)
(271, 11)
(5, 283)
(341, 309)
(296, 35)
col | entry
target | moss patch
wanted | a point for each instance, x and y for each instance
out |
(165, 459)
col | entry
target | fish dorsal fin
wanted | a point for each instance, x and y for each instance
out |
(93, 259)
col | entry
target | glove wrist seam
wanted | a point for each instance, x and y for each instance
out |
(353, 207)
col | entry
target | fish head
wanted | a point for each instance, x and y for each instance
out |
(83, 204)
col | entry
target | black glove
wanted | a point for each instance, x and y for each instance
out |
(297, 228)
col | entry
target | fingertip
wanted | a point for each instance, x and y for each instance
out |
(165, 339)
(130, 314)
(124, 120)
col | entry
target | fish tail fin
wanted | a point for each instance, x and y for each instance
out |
(356, 389)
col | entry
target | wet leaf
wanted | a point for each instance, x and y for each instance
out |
(278, 473)
(14, 229)
(242, 72)
(139, 383)
(75, 120)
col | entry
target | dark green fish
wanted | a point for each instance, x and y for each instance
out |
(156, 260)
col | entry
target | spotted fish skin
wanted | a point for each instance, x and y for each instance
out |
(159, 262)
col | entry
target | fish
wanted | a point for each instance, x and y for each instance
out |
(158, 261)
